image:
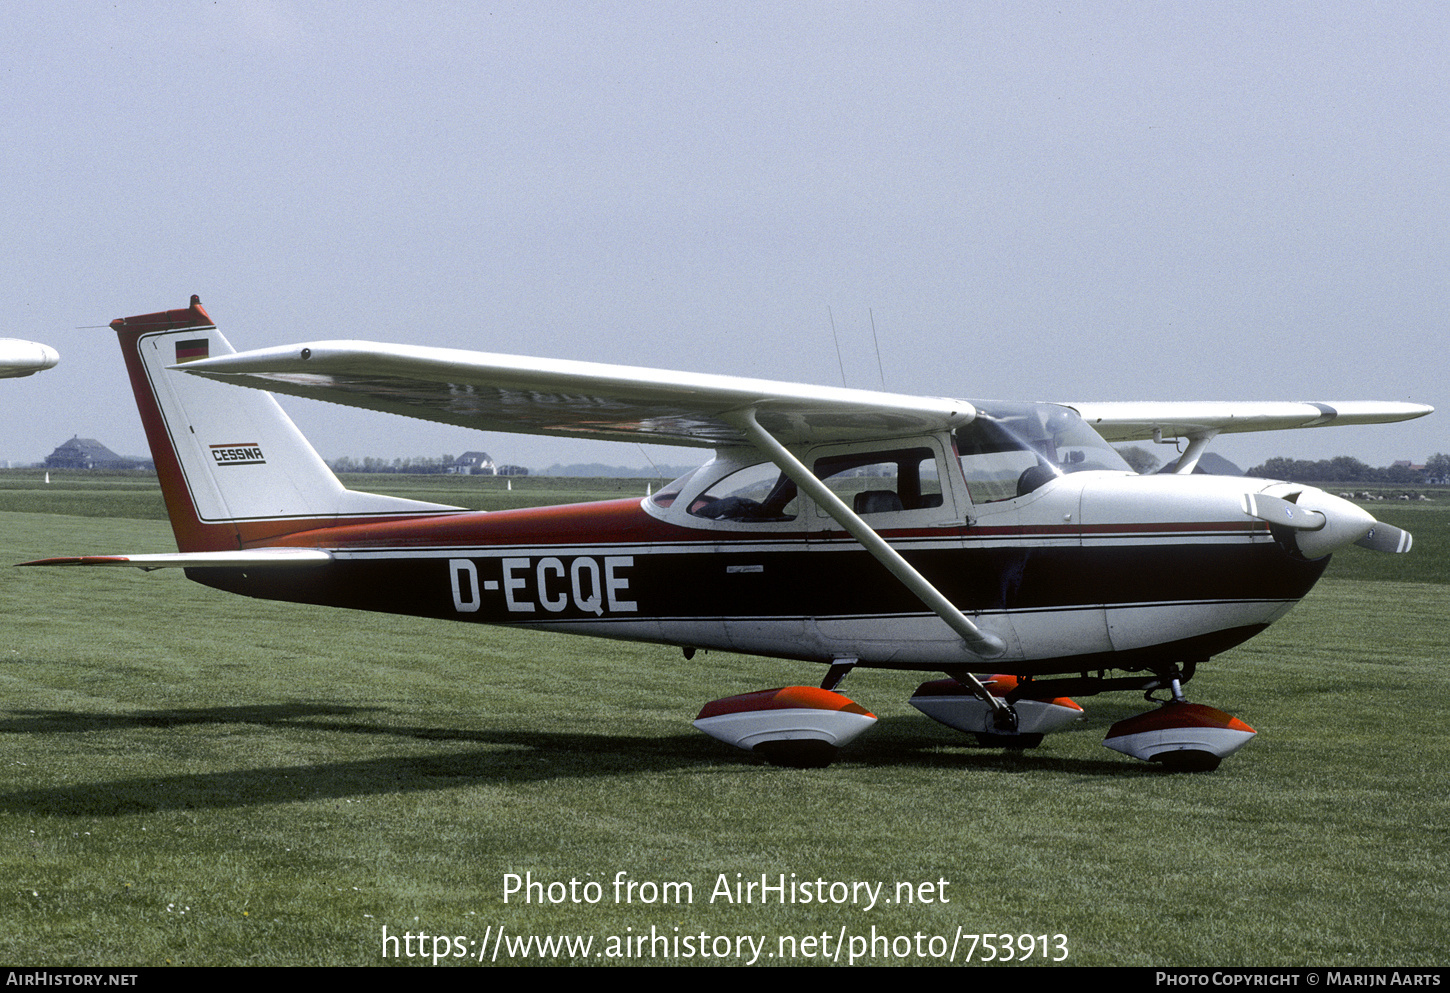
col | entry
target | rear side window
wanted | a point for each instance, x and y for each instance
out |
(883, 482)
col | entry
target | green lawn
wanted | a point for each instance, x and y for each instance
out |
(197, 778)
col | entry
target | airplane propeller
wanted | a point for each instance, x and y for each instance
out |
(1323, 523)
(1386, 538)
(1284, 513)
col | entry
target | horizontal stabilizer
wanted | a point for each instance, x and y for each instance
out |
(255, 557)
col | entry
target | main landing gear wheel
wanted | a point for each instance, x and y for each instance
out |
(798, 753)
(802, 727)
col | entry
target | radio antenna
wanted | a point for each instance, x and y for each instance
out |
(837, 339)
(659, 475)
(877, 342)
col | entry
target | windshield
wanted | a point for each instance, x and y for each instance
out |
(1010, 449)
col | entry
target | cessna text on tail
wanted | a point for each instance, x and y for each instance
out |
(842, 527)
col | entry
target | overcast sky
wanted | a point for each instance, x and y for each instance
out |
(1037, 201)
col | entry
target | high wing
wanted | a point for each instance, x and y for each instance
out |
(590, 400)
(1135, 420)
(1202, 421)
(624, 403)
(574, 399)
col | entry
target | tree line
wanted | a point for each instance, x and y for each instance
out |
(421, 464)
(1346, 469)
(418, 465)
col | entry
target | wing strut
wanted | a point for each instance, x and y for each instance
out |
(1197, 443)
(982, 643)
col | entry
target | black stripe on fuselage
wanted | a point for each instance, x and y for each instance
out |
(533, 585)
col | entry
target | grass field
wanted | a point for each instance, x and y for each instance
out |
(201, 779)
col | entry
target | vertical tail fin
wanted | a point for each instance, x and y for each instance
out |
(234, 469)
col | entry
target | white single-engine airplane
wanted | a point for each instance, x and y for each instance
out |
(837, 526)
(25, 358)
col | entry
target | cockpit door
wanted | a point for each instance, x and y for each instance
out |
(1027, 532)
(902, 489)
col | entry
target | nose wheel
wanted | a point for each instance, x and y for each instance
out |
(1180, 736)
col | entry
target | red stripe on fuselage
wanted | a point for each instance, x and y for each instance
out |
(609, 523)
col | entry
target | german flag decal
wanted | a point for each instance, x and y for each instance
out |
(190, 351)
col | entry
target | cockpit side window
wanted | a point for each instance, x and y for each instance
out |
(997, 464)
(870, 482)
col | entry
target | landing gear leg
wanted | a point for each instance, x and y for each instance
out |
(1004, 716)
(1006, 734)
(840, 669)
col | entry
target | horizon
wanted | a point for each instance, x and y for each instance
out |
(669, 471)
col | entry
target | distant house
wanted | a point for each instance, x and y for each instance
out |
(1424, 471)
(474, 464)
(88, 453)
